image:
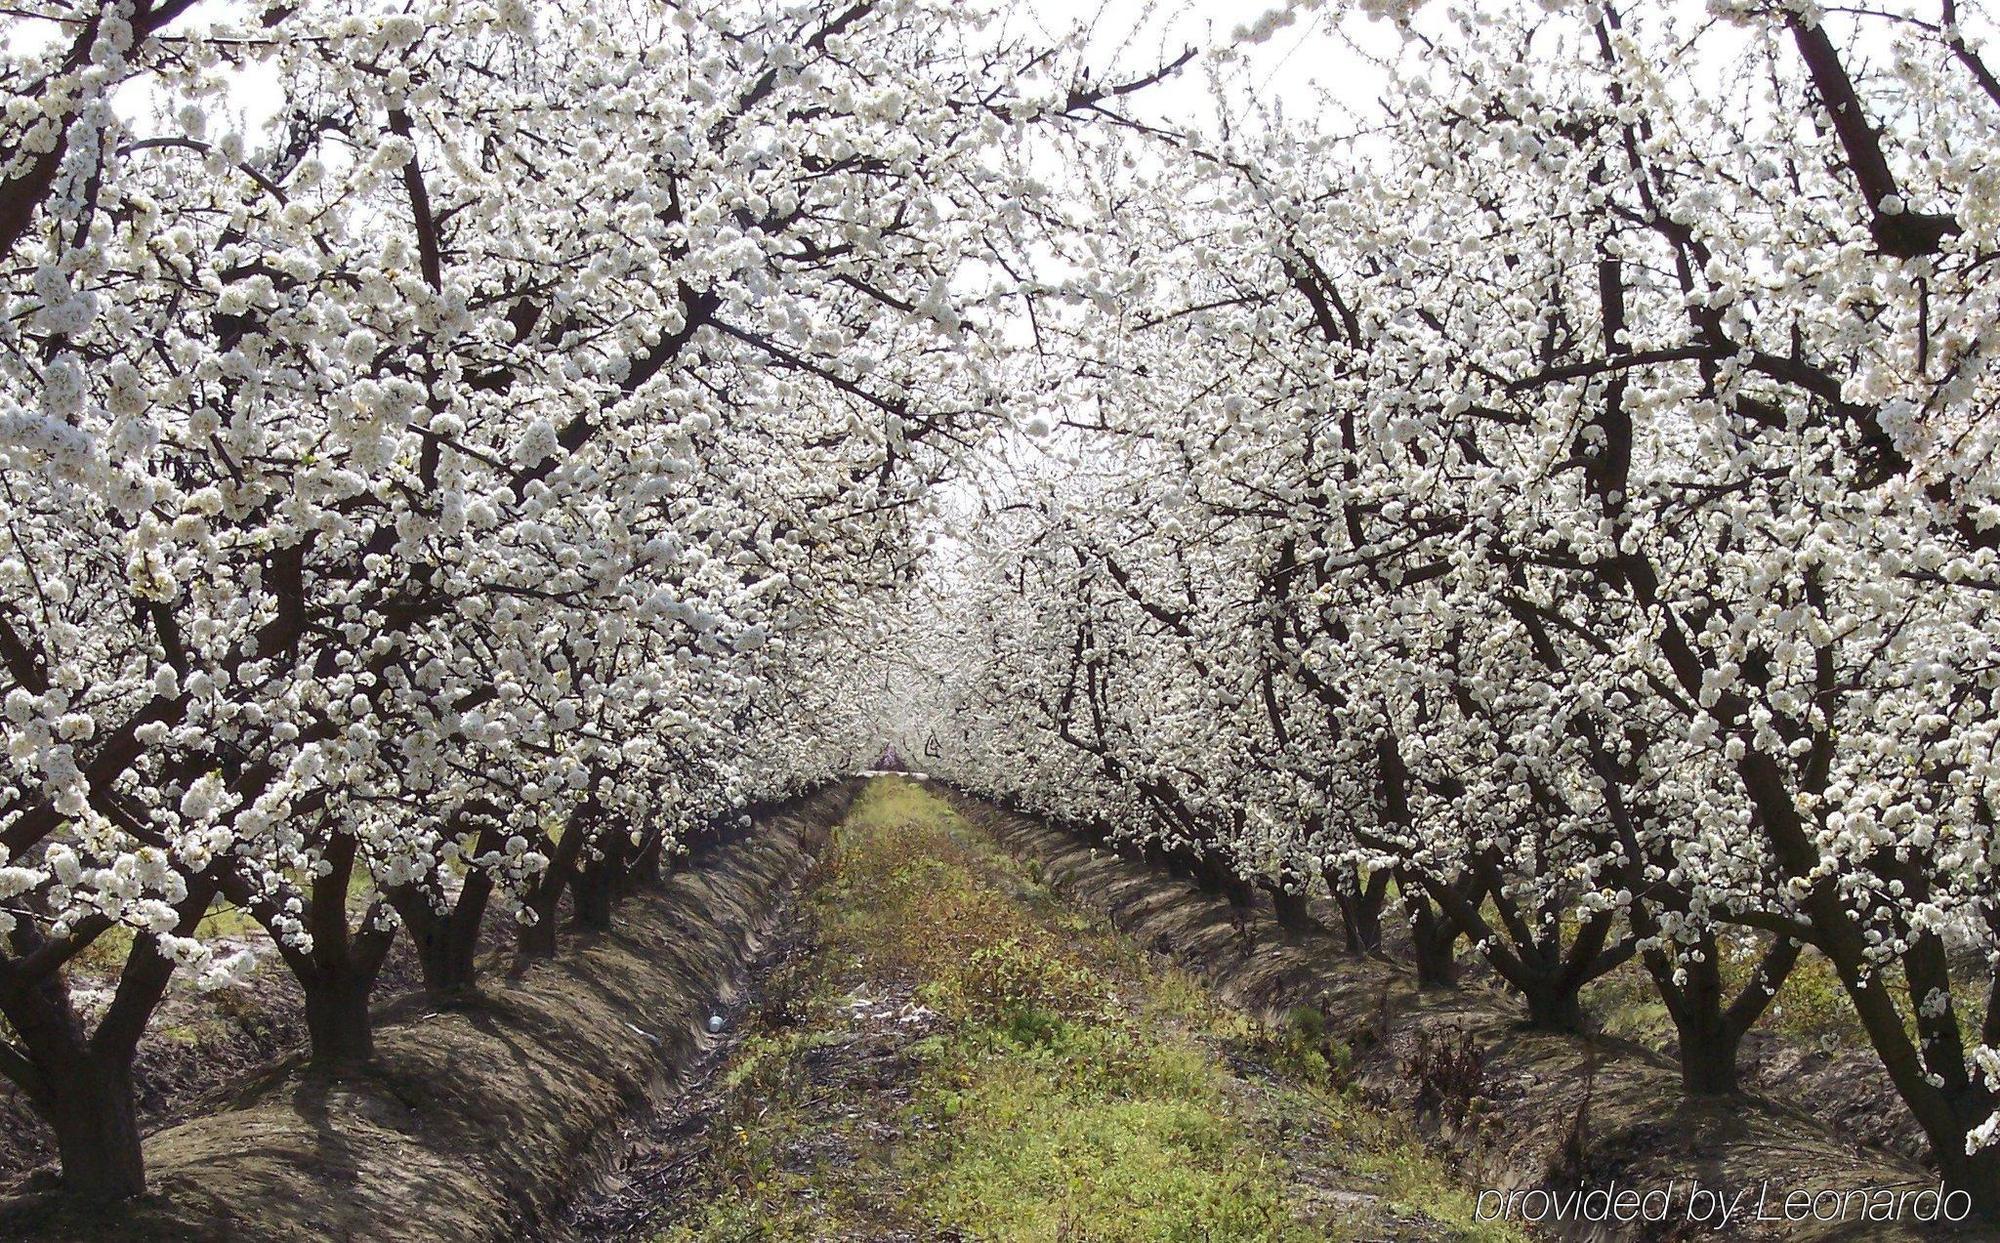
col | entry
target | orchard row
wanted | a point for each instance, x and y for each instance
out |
(447, 494)
(1559, 514)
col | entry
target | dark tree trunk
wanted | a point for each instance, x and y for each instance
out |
(1361, 924)
(1710, 1028)
(1708, 1059)
(1946, 1100)
(538, 938)
(649, 870)
(1554, 1005)
(1708, 1043)
(1241, 893)
(1182, 863)
(1290, 907)
(96, 1121)
(597, 887)
(1188, 866)
(1433, 932)
(1977, 1174)
(594, 899)
(339, 973)
(1434, 943)
(1551, 977)
(338, 1023)
(80, 1082)
(447, 940)
(1211, 875)
(82, 1088)
(447, 952)
(1361, 902)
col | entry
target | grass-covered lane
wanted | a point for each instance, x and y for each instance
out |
(956, 1055)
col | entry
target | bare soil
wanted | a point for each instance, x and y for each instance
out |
(651, 1171)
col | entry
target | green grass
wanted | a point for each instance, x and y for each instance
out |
(1084, 1136)
(1069, 1089)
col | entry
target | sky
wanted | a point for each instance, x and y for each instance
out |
(1327, 45)
(1283, 71)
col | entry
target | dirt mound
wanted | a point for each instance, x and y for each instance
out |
(474, 1122)
(1522, 1109)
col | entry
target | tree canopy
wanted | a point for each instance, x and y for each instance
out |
(1553, 500)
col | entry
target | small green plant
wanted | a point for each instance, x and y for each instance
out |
(1039, 1160)
(1018, 986)
(1302, 1047)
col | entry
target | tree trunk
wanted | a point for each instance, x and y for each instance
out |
(649, 870)
(1977, 1174)
(80, 1081)
(1205, 874)
(596, 890)
(447, 953)
(1241, 893)
(1290, 906)
(1361, 924)
(537, 940)
(1434, 941)
(1212, 875)
(1708, 1042)
(338, 1026)
(1360, 904)
(1710, 1027)
(1554, 1005)
(595, 900)
(96, 1121)
(1946, 1116)
(1708, 1059)
(544, 898)
(447, 943)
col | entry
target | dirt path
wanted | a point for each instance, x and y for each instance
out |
(941, 1050)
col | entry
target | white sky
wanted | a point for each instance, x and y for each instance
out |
(1283, 72)
(1126, 36)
